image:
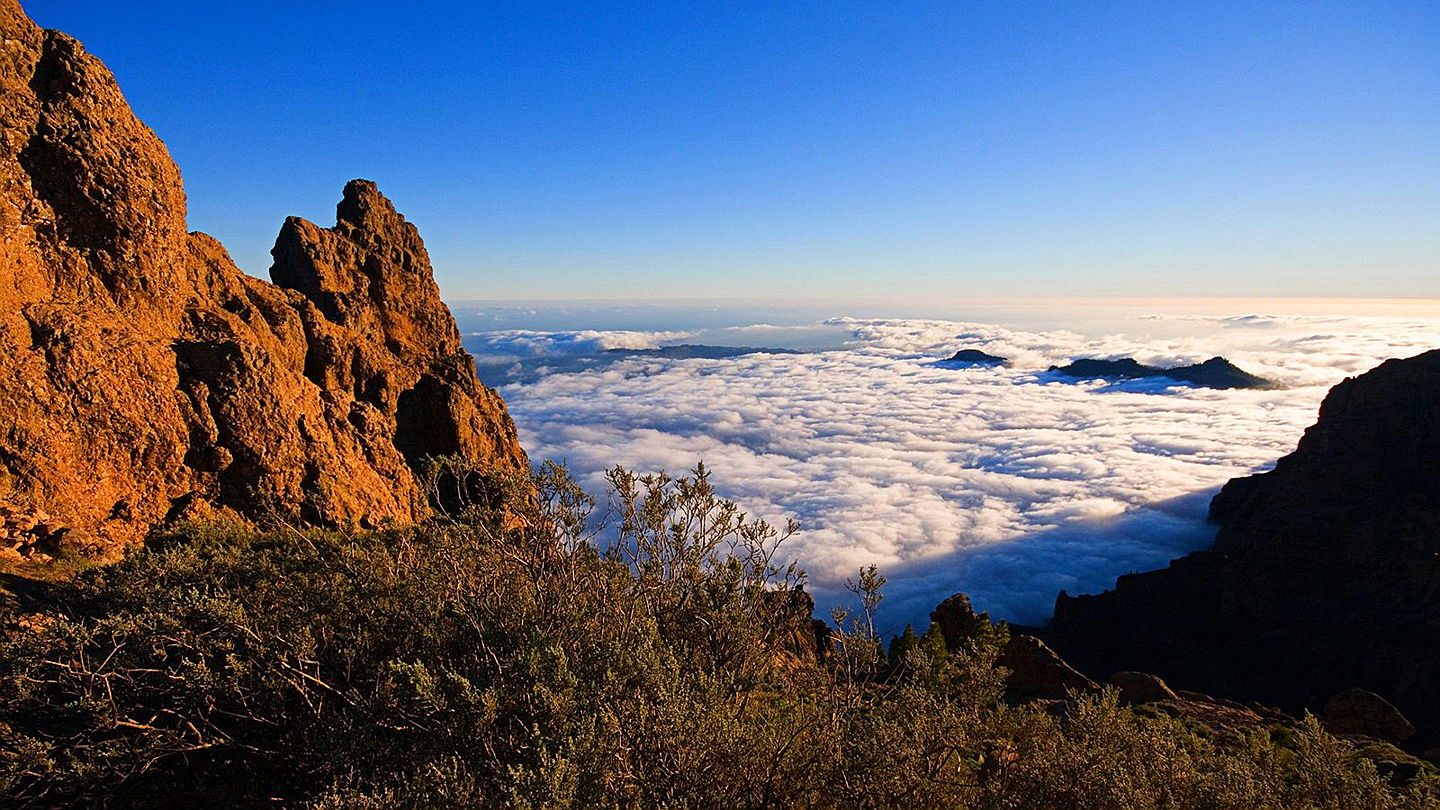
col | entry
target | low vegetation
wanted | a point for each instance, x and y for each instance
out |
(529, 649)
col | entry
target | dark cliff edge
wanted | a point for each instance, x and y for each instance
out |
(144, 377)
(1324, 576)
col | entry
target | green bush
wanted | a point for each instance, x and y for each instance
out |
(529, 650)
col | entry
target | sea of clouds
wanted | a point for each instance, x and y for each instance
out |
(1007, 483)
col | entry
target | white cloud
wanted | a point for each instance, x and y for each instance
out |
(995, 481)
(510, 345)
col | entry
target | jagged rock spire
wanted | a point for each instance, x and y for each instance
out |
(143, 376)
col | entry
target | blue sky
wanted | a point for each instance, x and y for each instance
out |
(801, 151)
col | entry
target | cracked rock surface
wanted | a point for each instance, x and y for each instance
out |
(144, 376)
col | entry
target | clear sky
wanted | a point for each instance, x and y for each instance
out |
(814, 150)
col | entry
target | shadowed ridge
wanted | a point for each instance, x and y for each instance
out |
(1217, 372)
(1325, 574)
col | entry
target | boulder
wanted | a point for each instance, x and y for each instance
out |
(1036, 672)
(71, 542)
(1358, 711)
(1141, 687)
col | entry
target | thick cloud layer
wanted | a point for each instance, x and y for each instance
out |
(1000, 482)
(520, 344)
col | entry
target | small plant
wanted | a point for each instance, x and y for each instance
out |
(528, 649)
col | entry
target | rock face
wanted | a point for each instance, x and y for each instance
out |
(1358, 711)
(1217, 372)
(370, 277)
(1037, 673)
(143, 375)
(1325, 574)
(1141, 687)
(958, 621)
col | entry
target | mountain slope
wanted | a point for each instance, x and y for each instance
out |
(1325, 574)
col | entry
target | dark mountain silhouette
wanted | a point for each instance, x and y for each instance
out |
(1325, 573)
(975, 357)
(1217, 372)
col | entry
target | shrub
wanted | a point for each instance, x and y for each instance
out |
(526, 649)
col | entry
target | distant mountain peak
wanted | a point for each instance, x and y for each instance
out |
(975, 357)
(1217, 372)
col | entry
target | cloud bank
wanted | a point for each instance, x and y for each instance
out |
(511, 345)
(994, 481)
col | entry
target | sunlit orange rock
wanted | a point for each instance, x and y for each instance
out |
(143, 375)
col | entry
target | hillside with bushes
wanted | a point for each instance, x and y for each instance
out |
(531, 648)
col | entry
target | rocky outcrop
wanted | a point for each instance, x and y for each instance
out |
(1217, 372)
(1034, 671)
(1325, 573)
(1037, 673)
(1362, 712)
(958, 621)
(143, 376)
(1141, 687)
(370, 277)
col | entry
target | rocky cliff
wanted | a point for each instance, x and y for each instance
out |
(142, 375)
(1325, 574)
